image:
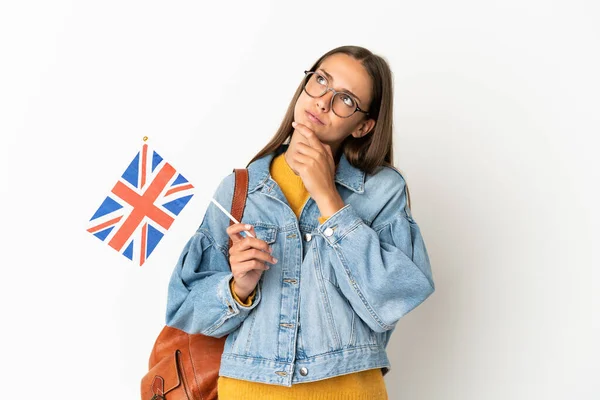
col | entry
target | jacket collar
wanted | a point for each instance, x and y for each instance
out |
(346, 174)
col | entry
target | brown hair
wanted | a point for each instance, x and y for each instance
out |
(376, 147)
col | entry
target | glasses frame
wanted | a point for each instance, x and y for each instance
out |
(335, 92)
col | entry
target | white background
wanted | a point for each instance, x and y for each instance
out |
(496, 127)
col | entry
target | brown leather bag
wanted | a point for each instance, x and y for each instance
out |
(186, 366)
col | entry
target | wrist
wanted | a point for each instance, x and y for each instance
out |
(330, 204)
(240, 292)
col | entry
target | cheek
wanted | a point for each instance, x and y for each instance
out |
(303, 98)
(340, 125)
(300, 106)
(342, 128)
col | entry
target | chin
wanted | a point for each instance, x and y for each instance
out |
(312, 125)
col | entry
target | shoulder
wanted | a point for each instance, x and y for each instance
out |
(387, 189)
(224, 191)
(385, 179)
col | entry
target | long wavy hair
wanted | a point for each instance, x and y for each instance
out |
(373, 149)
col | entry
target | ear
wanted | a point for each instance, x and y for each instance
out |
(363, 128)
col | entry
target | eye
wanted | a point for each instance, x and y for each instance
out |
(321, 80)
(347, 100)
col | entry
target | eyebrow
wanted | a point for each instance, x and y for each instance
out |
(346, 90)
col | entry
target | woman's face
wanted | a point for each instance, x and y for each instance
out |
(344, 74)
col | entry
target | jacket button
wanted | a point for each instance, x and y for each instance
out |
(328, 232)
(303, 371)
(307, 237)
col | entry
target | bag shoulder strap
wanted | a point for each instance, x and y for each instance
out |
(240, 192)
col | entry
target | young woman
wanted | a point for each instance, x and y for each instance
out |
(310, 302)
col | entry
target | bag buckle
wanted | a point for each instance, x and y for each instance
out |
(158, 388)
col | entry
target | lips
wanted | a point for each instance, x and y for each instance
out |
(313, 118)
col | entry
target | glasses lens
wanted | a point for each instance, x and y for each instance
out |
(316, 85)
(343, 105)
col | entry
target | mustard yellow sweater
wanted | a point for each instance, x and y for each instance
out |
(368, 384)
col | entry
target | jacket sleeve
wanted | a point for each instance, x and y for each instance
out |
(199, 295)
(383, 271)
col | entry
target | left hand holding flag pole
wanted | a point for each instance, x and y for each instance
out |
(231, 217)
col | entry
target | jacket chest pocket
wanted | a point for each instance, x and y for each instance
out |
(265, 232)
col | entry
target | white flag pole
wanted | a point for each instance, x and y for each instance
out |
(231, 217)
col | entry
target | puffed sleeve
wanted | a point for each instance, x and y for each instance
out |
(199, 294)
(383, 269)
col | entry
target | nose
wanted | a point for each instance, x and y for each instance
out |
(324, 102)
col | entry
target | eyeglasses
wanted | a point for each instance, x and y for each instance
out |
(342, 104)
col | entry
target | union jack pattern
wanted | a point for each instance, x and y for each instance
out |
(142, 206)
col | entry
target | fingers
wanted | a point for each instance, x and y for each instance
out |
(315, 147)
(241, 243)
(305, 149)
(305, 153)
(313, 140)
(242, 268)
(252, 243)
(244, 261)
(233, 231)
(245, 250)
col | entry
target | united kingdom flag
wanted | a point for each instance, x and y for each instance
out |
(141, 207)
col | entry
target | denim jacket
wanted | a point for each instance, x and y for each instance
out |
(331, 302)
